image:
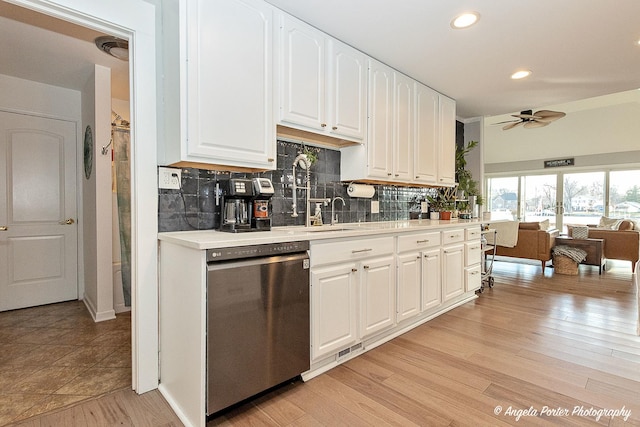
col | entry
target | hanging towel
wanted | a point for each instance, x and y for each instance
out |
(506, 233)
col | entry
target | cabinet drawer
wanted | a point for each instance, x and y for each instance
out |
(472, 253)
(472, 278)
(418, 241)
(342, 251)
(454, 235)
(473, 233)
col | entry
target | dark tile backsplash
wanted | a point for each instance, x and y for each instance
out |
(193, 207)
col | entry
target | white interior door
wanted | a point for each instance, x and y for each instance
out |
(38, 237)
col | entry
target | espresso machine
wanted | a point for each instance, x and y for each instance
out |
(263, 189)
(245, 205)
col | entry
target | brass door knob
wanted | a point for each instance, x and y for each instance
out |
(3, 228)
(67, 222)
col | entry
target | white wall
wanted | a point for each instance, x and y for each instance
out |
(96, 112)
(604, 125)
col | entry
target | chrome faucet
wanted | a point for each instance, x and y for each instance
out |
(333, 205)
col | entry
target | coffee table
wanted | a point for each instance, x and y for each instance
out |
(593, 247)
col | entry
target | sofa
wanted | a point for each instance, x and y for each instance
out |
(534, 242)
(621, 239)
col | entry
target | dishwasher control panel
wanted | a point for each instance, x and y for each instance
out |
(253, 251)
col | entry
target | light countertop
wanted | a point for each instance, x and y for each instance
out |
(210, 239)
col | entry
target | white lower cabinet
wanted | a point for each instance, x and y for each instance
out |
(377, 295)
(352, 292)
(472, 260)
(431, 279)
(452, 271)
(409, 285)
(333, 309)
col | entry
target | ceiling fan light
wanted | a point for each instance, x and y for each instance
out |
(465, 20)
(520, 74)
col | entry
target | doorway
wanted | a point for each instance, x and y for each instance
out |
(137, 26)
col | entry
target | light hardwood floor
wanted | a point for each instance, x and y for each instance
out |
(535, 340)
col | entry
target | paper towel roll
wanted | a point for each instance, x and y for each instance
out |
(361, 190)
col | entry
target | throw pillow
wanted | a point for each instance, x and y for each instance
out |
(625, 225)
(544, 225)
(609, 223)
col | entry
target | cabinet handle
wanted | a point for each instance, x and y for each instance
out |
(417, 176)
(474, 273)
(323, 125)
(422, 241)
(365, 267)
(270, 160)
(335, 128)
(353, 270)
(454, 235)
(389, 174)
(430, 256)
(418, 257)
(397, 174)
(361, 250)
(476, 247)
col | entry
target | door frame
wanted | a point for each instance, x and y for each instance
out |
(138, 25)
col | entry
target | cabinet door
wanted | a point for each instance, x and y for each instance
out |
(403, 128)
(333, 308)
(347, 91)
(302, 70)
(452, 271)
(377, 295)
(447, 142)
(473, 278)
(431, 279)
(425, 165)
(409, 282)
(230, 82)
(380, 127)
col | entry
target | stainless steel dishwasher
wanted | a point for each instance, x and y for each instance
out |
(257, 319)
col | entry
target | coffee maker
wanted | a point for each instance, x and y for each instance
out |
(263, 189)
(245, 205)
(236, 204)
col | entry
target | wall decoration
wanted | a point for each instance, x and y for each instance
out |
(88, 152)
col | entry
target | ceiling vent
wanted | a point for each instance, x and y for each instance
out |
(114, 46)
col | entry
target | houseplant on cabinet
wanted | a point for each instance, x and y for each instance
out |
(468, 188)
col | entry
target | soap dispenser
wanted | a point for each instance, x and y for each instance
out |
(318, 214)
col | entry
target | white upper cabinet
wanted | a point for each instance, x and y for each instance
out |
(403, 128)
(226, 89)
(378, 159)
(411, 133)
(322, 82)
(426, 135)
(447, 142)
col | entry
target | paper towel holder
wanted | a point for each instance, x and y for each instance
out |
(361, 190)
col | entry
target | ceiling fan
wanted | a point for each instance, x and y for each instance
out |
(533, 120)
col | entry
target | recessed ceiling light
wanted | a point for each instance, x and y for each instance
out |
(465, 20)
(520, 74)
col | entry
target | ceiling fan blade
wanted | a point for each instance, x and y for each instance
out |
(507, 121)
(549, 116)
(536, 124)
(525, 116)
(512, 125)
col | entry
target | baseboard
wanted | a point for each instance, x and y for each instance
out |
(98, 316)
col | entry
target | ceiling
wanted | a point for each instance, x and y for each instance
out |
(48, 50)
(576, 49)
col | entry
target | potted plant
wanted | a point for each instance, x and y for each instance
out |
(468, 188)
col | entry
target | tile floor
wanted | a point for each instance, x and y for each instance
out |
(55, 355)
